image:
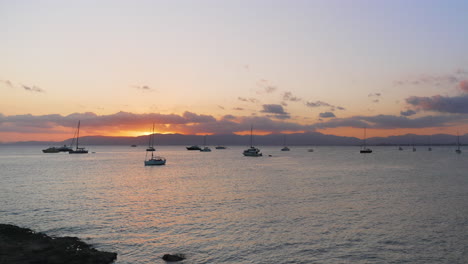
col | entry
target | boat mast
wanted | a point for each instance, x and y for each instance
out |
(364, 137)
(77, 134)
(251, 136)
(458, 142)
(152, 137)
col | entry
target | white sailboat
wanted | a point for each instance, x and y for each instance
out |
(153, 160)
(364, 148)
(285, 148)
(78, 150)
(252, 151)
(205, 148)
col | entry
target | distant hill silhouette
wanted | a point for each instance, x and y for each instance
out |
(303, 139)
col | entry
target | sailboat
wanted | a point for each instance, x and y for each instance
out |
(430, 143)
(78, 150)
(364, 148)
(285, 148)
(150, 143)
(252, 151)
(154, 160)
(400, 148)
(458, 150)
(205, 148)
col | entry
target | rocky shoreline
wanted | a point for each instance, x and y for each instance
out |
(24, 246)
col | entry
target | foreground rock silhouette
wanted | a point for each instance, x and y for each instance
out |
(22, 245)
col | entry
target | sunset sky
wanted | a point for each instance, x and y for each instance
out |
(216, 67)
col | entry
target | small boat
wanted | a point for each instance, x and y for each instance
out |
(400, 148)
(220, 147)
(252, 151)
(153, 160)
(458, 150)
(51, 150)
(285, 148)
(78, 150)
(310, 150)
(205, 148)
(194, 147)
(364, 148)
(133, 146)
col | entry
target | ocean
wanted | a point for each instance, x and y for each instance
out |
(333, 205)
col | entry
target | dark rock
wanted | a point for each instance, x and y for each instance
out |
(23, 246)
(175, 257)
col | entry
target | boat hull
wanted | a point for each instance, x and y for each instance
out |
(365, 151)
(193, 148)
(50, 150)
(155, 162)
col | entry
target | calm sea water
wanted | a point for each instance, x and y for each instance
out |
(333, 205)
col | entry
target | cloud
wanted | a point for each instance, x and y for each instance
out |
(408, 112)
(144, 88)
(434, 79)
(288, 96)
(266, 87)
(374, 95)
(275, 109)
(238, 108)
(463, 85)
(438, 103)
(327, 115)
(221, 107)
(32, 89)
(251, 100)
(317, 104)
(7, 83)
(340, 108)
(392, 122)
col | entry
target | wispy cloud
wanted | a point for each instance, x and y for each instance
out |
(7, 83)
(250, 100)
(144, 88)
(317, 104)
(32, 88)
(433, 79)
(28, 88)
(266, 87)
(288, 96)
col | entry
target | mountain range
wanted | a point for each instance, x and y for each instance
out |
(303, 139)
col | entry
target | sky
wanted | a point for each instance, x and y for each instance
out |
(218, 67)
